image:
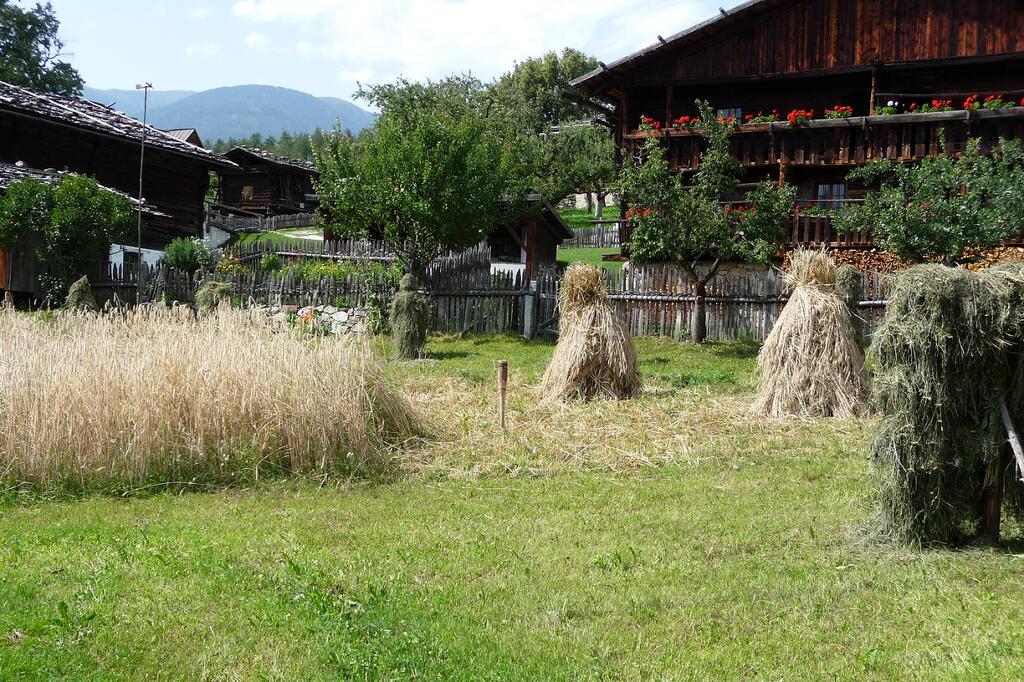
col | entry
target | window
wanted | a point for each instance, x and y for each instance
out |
(734, 112)
(831, 195)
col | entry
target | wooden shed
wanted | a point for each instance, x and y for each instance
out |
(531, 243)
(46, 131)
(267, 184)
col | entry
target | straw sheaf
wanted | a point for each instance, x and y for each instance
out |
(811, 364)
(595, 356)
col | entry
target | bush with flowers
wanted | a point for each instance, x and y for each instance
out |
(686, 122)
(648, 123)
(762, 117)
(839, 111)
(995, 102)
(231, 264)
(935, 105)
(800, 117)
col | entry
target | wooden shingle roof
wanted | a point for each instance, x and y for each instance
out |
(97, 119)
(13, 172)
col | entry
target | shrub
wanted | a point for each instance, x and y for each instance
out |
(187, 254)
(271, 262)
(218, 399)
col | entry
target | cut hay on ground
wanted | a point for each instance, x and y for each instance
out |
(595, 356)
(148, 397)
(946, 353)
(811, 364)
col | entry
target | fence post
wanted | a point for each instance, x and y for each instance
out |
(530, 310)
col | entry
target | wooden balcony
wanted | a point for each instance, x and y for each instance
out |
(802, 230)
(846, 141)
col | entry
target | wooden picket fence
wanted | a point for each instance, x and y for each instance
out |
(655, 301)
(594, 237)
(467, 296)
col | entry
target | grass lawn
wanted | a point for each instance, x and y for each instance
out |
(668, 537)
(581, 217)
(592, 256)
(289, 234)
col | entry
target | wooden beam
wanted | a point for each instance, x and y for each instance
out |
(1013, 437)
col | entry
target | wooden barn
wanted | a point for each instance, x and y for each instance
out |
(531, 243)
(267, 184)
(902, 72)
(44, 131)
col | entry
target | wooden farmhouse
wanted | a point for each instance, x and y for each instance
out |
(49, 132)
(903, 73)
(260, 182)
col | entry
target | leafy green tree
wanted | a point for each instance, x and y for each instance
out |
(73, 223)
(578, 158)
(435, 174)
(187, 254)
(942, 206)
(573, 155)
(31, 50)
(534, 88)
(692, 226)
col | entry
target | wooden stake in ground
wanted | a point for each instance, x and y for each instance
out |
(502, 386)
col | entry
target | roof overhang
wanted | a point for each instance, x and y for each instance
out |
(603, 77)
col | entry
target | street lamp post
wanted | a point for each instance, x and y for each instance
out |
(145, 87)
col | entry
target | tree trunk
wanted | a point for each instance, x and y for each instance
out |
(590, 202)
(699, 328)
(599, 210)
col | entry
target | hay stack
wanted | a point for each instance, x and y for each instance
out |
(211, 295)
(595, 356)
(80, 296)
(942, 355)
(811, 364)
(410, 319)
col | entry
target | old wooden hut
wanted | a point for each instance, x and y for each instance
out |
(45, 131)
(531, 243)
(904, 69)
(267, 184)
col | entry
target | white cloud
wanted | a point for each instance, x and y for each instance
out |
(204, 49)
(200, 13)
(256, 41)
(433, 38)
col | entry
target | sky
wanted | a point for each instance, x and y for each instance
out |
(325, 47)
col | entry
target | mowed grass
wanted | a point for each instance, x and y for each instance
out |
(591, 256)
(669, 537)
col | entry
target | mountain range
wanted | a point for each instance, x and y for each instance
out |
(237, 111)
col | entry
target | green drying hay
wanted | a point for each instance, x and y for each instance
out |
(80, 296)
(595, 356)
(211, 295)
(941, 355)
(410, 319)
(811, 364)
(850, 289)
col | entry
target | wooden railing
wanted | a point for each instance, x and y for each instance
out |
(846, 141)
(810, 230)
